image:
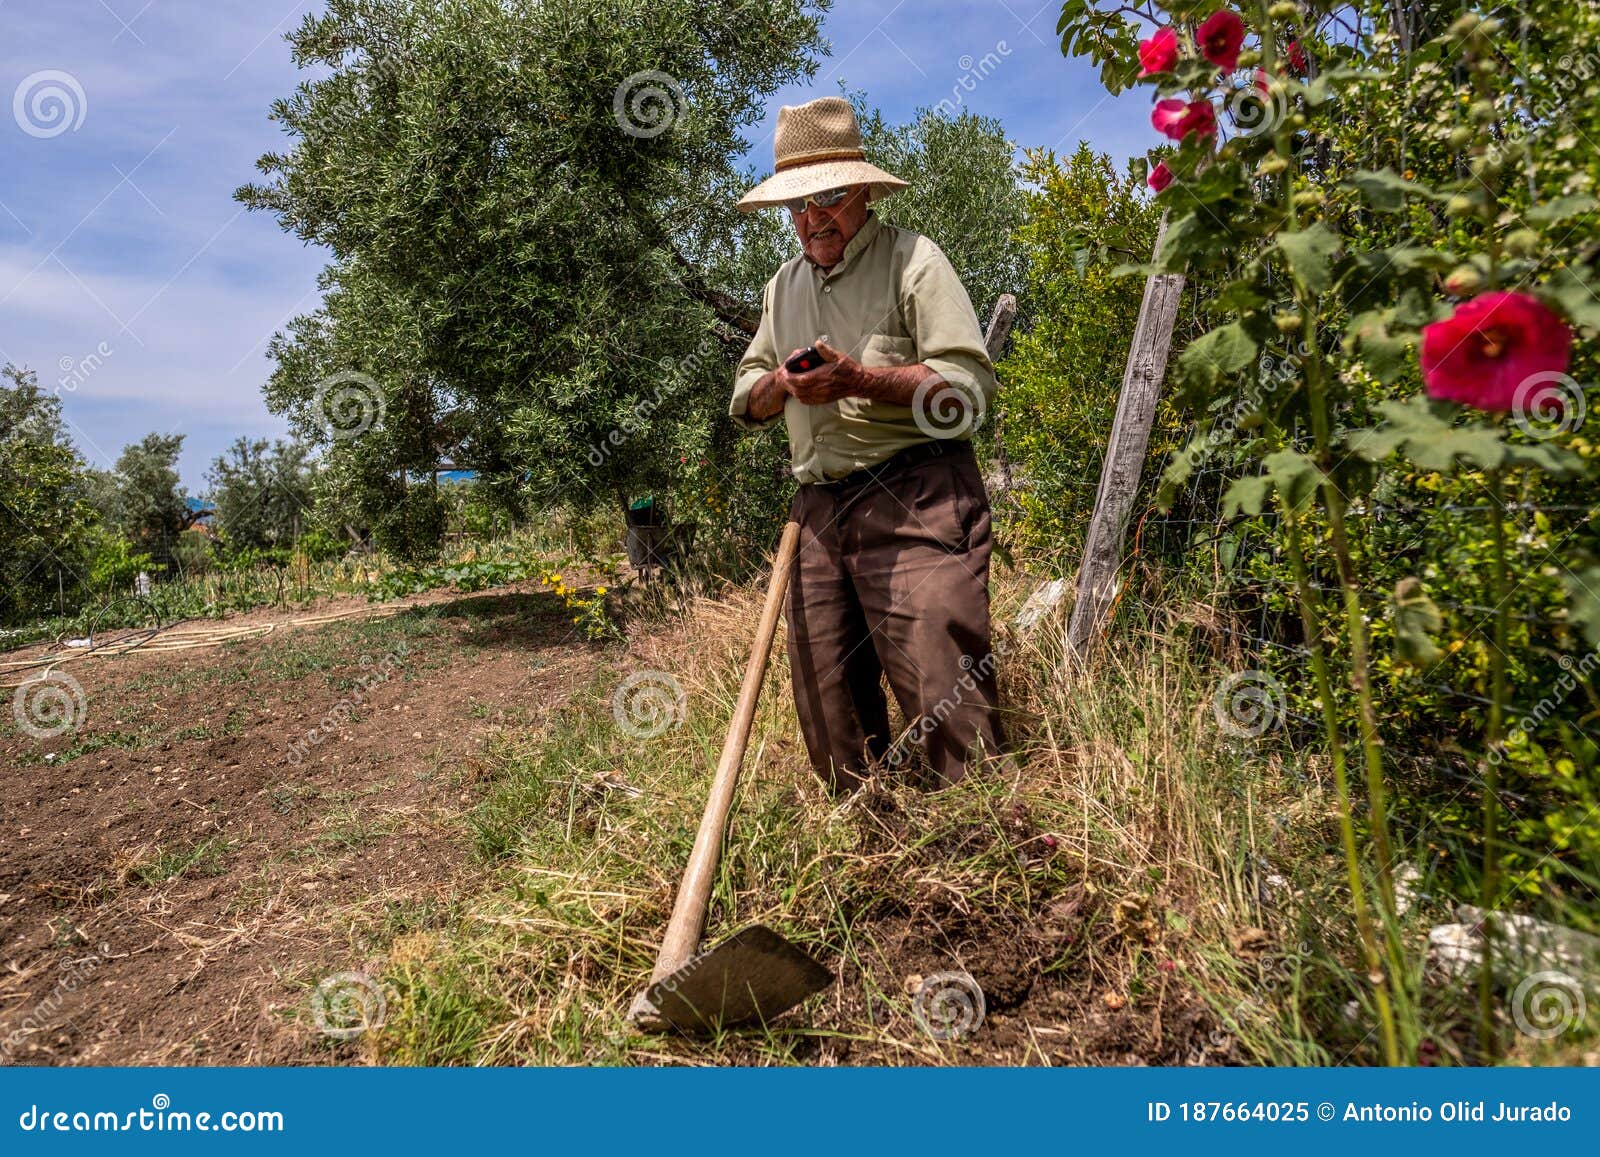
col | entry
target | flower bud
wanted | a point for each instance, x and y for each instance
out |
(1488, 66)
(1460, 137)
(1307, 198)
(1288, 322)
(1298, 121)
(1249, 58)
(1272, 164)
(1284, 10)
(1462, 281)
(1524, 243)
(1461, 205)
(1491, 26)
(1463, 26)
(1482, 111)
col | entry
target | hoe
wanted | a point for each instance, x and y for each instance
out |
(755, 974)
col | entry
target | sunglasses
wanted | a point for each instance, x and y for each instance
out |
(826, 200)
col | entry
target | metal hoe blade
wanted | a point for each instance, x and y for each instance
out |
(754, 975)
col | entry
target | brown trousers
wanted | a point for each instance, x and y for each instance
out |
(892, 579)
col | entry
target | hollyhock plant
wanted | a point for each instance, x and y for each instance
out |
(1220, 39)
(1297, 57)
(1178, 118)
(1482, 353)
(1159, 53)
(1160, 177)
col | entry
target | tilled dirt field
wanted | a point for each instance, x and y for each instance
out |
(228, 826)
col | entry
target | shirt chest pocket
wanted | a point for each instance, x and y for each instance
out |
(880, 349)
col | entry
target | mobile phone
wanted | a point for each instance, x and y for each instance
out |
(806, 359)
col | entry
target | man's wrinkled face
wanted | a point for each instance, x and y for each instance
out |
(824, 233)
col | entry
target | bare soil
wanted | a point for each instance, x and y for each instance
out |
(176, 877)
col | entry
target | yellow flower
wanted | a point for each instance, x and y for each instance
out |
(600, 590)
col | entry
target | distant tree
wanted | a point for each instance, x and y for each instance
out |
(1061, 380)
(964, 193)
(152, 508)
(262, 493)
(45, 514)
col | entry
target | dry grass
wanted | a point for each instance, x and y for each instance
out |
(1133, 888)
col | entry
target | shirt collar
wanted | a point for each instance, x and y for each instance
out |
(863, 238)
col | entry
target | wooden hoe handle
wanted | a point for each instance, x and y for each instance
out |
(694, 894)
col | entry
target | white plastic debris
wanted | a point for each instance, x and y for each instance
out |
(1040, 602)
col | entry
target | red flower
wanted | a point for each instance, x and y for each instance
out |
(1262, 82)
(1159, 53)
(1484, 352)
(1220, 38)
(1160, 177)
(1297, 58)
(1177, 118)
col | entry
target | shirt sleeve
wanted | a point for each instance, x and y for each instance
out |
(941, 320)
(760, 359)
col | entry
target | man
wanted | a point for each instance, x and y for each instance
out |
(893, 572)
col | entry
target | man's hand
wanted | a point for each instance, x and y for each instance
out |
(839, 376)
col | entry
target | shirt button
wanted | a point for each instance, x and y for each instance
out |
(827, 289)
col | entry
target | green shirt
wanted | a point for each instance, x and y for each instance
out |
(893, 300)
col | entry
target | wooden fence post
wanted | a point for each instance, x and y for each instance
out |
(1124, 460)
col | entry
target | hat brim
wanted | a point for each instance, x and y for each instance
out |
(818, 178)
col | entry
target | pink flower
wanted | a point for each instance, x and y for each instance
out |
(1482, 354)
(1177, 118)
(1159, 53)
(1297, 57)
(1262, 81)
(1160, 177)
(1220, 38)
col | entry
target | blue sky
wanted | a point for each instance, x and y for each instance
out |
(132, 281)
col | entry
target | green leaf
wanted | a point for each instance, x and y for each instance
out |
(1294, 476)
(1554, 212)
(1384, 353)
(1183, 464)
(1553, 459)
(1246, 496)
(1575, 297)
(1404, 258)
(1224, 350)
(1417, 309)
(1583, 606)
(1423, 432)
(1385, 189)
(1309, 253)
(1416, 621)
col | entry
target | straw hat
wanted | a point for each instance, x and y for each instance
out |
(817, 148)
